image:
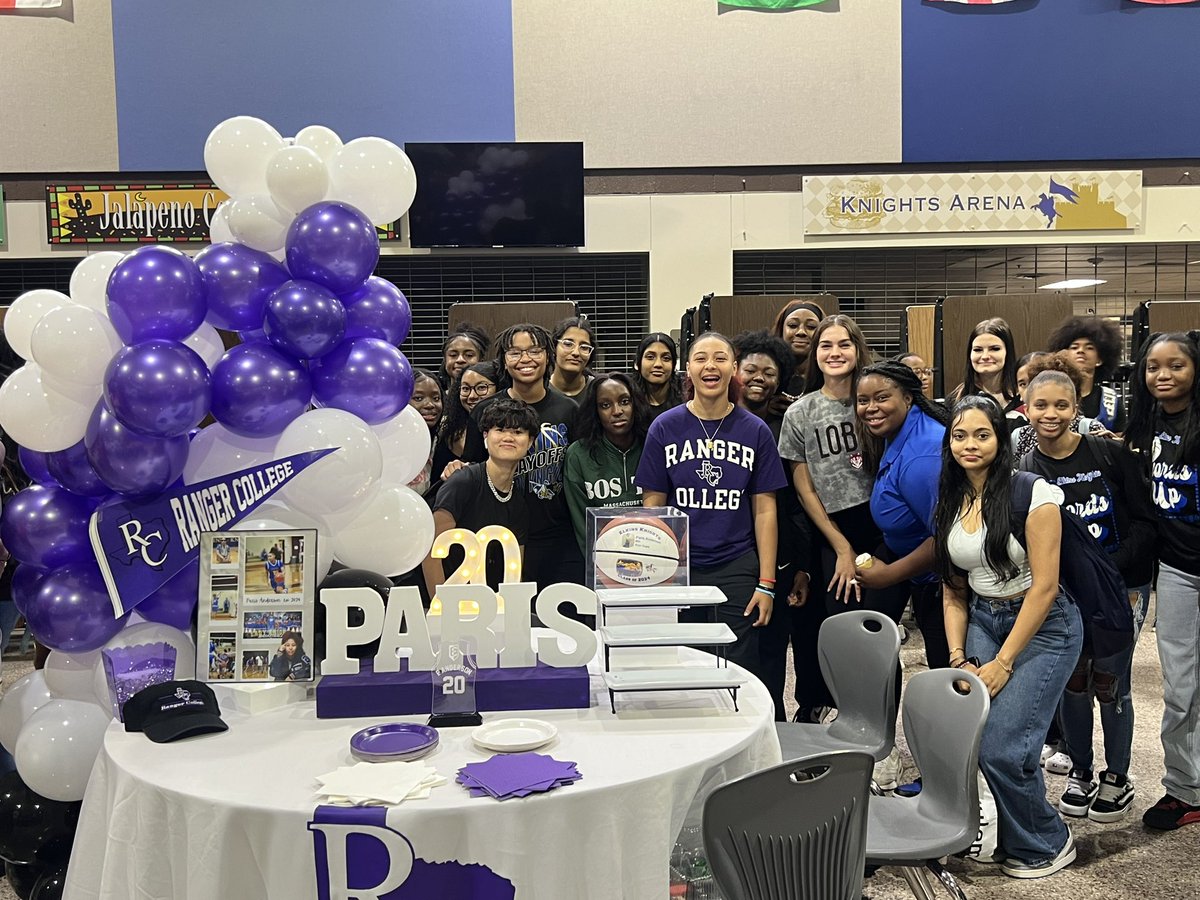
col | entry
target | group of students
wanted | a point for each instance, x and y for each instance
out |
(818, 479)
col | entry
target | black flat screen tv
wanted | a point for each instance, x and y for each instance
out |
(526, 194)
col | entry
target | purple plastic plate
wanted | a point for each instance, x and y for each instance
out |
(395, 741)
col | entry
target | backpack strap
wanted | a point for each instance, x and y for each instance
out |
(1021, 498)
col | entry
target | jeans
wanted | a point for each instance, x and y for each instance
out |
(1109, 680)
(1030, 829)
(1178, 636)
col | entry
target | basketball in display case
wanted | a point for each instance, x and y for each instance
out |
(637, 548)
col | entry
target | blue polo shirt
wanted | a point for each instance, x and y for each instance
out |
(905, 491)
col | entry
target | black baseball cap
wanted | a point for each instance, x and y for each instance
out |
(174, 710)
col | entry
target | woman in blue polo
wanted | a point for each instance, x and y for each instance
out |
(901, 435)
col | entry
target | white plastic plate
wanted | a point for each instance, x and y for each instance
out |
(514, 735)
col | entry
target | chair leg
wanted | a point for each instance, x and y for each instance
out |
(948, 881)
(918, 882)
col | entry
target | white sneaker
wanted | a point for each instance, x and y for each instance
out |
(1047, 752)
(1059, 764)
(1014, 868)
(887, 771)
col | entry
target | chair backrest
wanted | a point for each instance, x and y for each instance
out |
(859, 653)
(795, 831)
(944, 714)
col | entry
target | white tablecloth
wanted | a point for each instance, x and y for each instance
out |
(225, 816)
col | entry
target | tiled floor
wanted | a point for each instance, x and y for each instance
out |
(1121, 860)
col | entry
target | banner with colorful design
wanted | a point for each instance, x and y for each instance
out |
(131, 213)
(996, 201)
(29, 4)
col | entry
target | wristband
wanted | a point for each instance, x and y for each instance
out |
(767, 591)
(767, 581)
(1008, 669)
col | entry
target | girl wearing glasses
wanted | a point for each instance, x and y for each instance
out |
(476, 383)
(574, 346)
(551, 554)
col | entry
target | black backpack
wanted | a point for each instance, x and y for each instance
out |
(1086, 573)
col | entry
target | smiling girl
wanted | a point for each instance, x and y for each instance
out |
(991, 368)
(654, 372)
(718, 463)
(574, 346)
(1164, 426)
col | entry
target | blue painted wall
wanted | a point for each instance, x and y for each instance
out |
(1050, 79)
(416, 70)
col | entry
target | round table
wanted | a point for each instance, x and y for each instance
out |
(226, 816)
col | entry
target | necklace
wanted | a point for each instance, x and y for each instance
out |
(709, 438)
(502, 498)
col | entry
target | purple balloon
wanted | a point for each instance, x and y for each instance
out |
(132, 463)
(365, 376)
(160, 388)
(257, 390)
(237, 282)
(173, 603)
(47, 526)
(334, 245)
(155, 292)
(71, 611)
(36, 465)
(72, 470)
(25, 583)
(305, 319)
(378, 309)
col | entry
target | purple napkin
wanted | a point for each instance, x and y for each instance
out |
(508, 775)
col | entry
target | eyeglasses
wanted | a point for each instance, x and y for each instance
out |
(926, 372)
(514, 355)
(479, 390)
(568, 344)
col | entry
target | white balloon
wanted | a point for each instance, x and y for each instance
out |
(405, 441)
(321, 140)
(207, 343)
(89, 281)
(297, 178)
(75, 344)
(218, 451)
(277, 517)
(135, 635)
(236, 154)
(25, 313)
(390, 534)
(69, 675)
(21, 699)
(218, 224)
(340, 479)
(87, 394)
(36, 416)
(58, 746)
(375, 176)
(257, 222)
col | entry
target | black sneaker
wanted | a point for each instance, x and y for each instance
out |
(1080, 792)
(1113, 798)
(1170, 813)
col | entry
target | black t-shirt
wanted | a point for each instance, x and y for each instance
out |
(1103, 486)
(467, 496)
(1113, 417)
(1176, 493)
(540, 474)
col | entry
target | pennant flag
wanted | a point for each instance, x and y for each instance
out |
(141, 544)
(770, 4)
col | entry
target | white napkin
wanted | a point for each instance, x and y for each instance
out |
(379, 784)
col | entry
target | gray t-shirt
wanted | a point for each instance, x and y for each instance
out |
(819, 431)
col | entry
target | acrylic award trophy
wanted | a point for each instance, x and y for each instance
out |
(454, 687)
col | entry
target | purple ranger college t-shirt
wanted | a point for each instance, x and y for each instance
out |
(714, 483)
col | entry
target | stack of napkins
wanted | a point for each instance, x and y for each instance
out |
(508, 775)
(378, 784)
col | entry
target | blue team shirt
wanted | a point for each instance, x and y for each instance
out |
(905, 491)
